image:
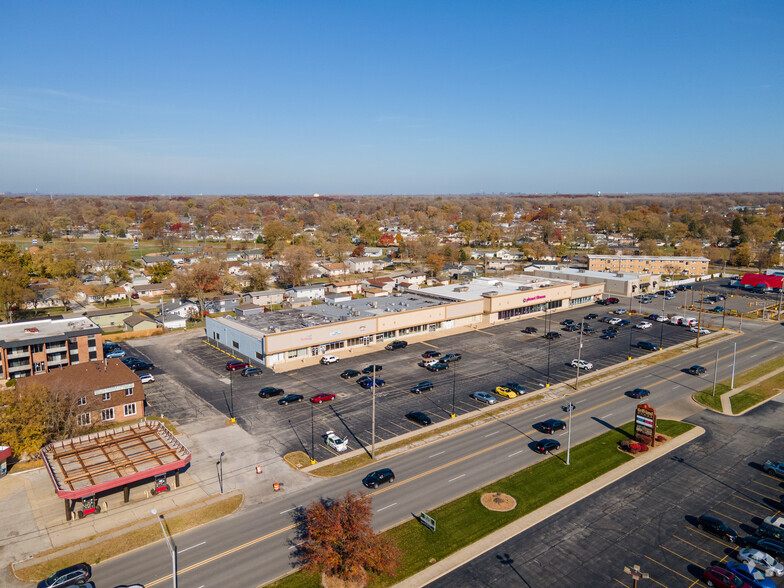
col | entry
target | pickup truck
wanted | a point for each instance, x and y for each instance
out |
(774, 467)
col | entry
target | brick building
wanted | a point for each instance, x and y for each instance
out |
(691, 266)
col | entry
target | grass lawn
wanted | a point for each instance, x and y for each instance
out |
(749, 397)
(706, 397)
(756, 394)
(464, 521)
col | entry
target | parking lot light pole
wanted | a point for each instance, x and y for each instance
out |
(312, 442)
(715, 373)
(699, 317)
(231, 396)
(734, 350)
(569, 437)
(579, 355)
(373, 421)
(454, 379)
(549, 343)
(170, 546)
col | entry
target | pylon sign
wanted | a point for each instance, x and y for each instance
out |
(645, 422)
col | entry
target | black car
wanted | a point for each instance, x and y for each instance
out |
(639, 393)
(624, 322)
(349, 374)
(250, 371)
(128, 360)
(567, 322)
(602, 302)
(438, 367)
(422, 387)
(110, 346)
(570, 328)
(373, 479)
(772, 547)
(717, 527)
(289, 398)
(369, 369)
(70, 576)
(696, 370)
(431, 353)
(591, 316)
(141, 365)
(367, 384)
(419, 417)
(515, 387)
(268, 392)
(647, 345)
(397, 345)
(608, 335)
(550, 426)
(588, 330)
(451, 357)
(529, 330)
(546, 445)
(552, 335)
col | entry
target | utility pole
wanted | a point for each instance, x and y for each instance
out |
(373, 422)
(699, 319)
(569, 438)
(734, 350)
(549, 344)
(312, 442)
(454, 379)
(579, 354)
(781, 292)
(715, 372)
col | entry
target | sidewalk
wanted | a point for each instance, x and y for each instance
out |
(726, 404)
(466, 554)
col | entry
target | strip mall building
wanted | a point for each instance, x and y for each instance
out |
(285, 339)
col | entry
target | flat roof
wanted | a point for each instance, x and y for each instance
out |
(110, 459)
(474, 289)
(577, 273)
(30, 332)
(647, 257)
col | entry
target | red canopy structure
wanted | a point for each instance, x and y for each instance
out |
(764, 280)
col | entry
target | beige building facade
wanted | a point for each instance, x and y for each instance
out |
(646, 264)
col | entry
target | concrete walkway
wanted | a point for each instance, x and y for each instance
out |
(458, 558)
(726, 404)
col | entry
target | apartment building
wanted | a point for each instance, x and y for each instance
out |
(690, 266)
(36, 347)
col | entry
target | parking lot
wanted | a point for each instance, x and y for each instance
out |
(648, 518)
(490, 357)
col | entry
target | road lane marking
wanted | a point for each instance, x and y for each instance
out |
(289, 510)
(388, 506)
(515, 453)
(437, 454)
(491, 434)
(460, 476)
(605, 416)
(296, 545)
(191, 547)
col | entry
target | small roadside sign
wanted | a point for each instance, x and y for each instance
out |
(427, 521)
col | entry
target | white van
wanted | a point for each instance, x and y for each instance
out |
(676, 320)
(690, 322)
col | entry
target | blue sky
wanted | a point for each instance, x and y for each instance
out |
(404, 97)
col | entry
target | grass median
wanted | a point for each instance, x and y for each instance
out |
(464, 521)
(747, 398)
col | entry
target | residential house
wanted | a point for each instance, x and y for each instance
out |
(374, 292)
(297, 302)
(347, 287)
(248, 309)
(109, 319)
(374, 251)
(263, 297)
(139, 322)
(170, 321)
(333, 269)
(360, 265)
(98, 294)
(151, 290)
(311, 291)
(150, 260)
(222, 303)
(384, 283)
(181, 308)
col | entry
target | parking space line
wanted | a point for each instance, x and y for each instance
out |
(722, 543)
(680, 556)
(621, 583)
(695, 546)
(725, 515)
(387, 430)
(754, 502)
(740, 509)
(667, 568)
(655, 580)
(755, 492)
(778, 480)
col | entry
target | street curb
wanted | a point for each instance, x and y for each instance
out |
(494, 539)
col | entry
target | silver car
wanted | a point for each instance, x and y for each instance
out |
(762, 561)
(485, 397)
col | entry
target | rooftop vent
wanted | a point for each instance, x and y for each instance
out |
(461, 289)
(490, 293)
(31, 330)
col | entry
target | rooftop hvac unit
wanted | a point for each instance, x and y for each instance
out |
(498, 284)
(374, 304)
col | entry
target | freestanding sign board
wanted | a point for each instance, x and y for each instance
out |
(645, 422)
(427, 521)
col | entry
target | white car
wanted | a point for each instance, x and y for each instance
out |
(146, 378)
(661, 319)
(643, 325)
(762, 561)
(775, 521)
(335, 442)
(614, 321)
(329, 359)
(702, 330)
(433, 361)
(582, 364)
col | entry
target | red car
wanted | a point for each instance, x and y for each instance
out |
(235, 364)
(323, 397)
(723, 578)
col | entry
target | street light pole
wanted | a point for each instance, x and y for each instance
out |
(373, 421)
(220, 471)
(569, 438)
(579, 355)
(312, 442)
(699, 317)
(715, 372)
(549, 344)
(231, 395)
(734, 350)
(454, 379)
(170, 546)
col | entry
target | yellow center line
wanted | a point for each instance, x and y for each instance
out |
(680, 556)
(695, 546)
(667, 568)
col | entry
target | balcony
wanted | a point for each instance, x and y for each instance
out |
(56, 359)
(61, 348)
(18, 352)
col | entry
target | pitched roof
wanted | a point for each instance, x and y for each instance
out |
(83, 377)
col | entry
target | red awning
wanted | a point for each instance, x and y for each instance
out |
(752, 280)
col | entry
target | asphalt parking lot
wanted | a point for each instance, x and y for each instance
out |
(490, 357)
(648, 518)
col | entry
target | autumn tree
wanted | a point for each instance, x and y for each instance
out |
(13, 279)
(159, 271)
(336, 538)
(435, 263)
(258, 277)
(198, 281)
(298, 260)
(68, 289)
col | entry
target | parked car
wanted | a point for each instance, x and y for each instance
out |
(775, 521)
(718, 309)
(346, 374)
(235, 365)
(335, 442)
(696, 370)
(721, 577)
(647, 345)
(431, 361)
(567, 322)
(141, 365)
(608, 335)
(581, 364)
(752, 577)
(370, 369)
(70, 576)
(612, 300)
(109, 345)
(529, 330)
(546, 445)
(291, 398)
(397, 345)
(591, 316)
(485, 397)
(639, 393)
(643, 325)
(515, 387)
(774, 467)
(662, 319)
(552, 335)
(327, 359)
(762, 561)
(613, 320)
(437, 367)
(115, 353)
(669, 296)
(130, 360)
(422, 387)
(451, 357)
(550, 426)
(770, 531)
(701, 330)
(588, 330)
(322, 397)
(624, 322)
(646, 300)
(268, 392)
(146, 378)
(419, 418)
(431, 353)
(570, 328)
(770, 546)
(717, 527)
(504, 391)
(373, 479)
(620, 311)
(367, 384)
(653, 317)
(250, 371)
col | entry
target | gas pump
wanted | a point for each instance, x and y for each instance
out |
(160, 484)
(89, 506)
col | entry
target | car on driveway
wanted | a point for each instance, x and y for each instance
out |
(419, 417)
(504, 391)
(327, 359)
(721, 577)
(591, 316)
(546, 445)
(696, 370)
(250, 371)
(335, 442)
(485, 397)
(639, 393)
(115, 353)
(346, 374)
(422, 387)
(774, 467)
(643, 325)
(451, 357)
(431, 353)
(269, 391)
(323, 397)
(550, 426)
(70, 576)
(582, 364)
(529, 330)
(438, 367)
(647, 345)
(290, 399)
(370, 369)
(752, 577)
(367, 384)
(762, 561)
(396, 345)
(235, 364)
(373, 479)
(717, 527)
(146, 378)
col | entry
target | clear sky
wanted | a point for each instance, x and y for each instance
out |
(402, 97)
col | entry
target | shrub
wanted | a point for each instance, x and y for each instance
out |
(660, 438)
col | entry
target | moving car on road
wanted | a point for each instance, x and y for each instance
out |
(290, 398)
(717, 527)
(639, 393)
(485, 397)
(373, 479)
(419, 417)
(323, 397)
(696, 370)
(268, 392)
(327, 359)
(335, 442)
(550, 426)
(546, 445)
(422, 387)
